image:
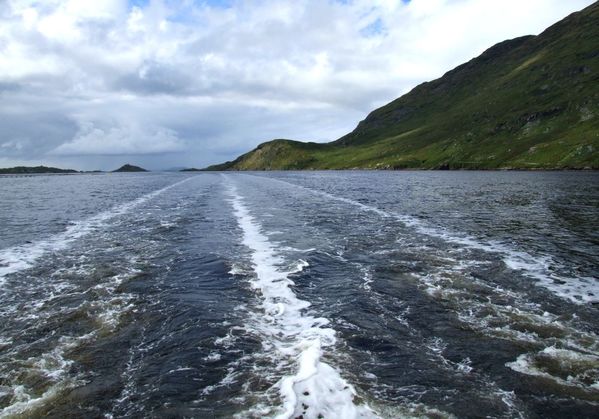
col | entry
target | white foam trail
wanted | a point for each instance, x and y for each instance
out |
(579, 290)
(18, 258)
(315, 388)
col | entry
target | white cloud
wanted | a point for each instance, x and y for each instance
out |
(243, 69)
(121, 140)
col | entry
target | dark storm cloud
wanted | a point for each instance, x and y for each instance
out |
(156, 78)
(9, 87)
(34, 134)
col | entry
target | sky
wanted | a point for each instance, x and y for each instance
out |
(163, 83)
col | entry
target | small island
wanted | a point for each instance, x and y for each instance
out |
(129, 168)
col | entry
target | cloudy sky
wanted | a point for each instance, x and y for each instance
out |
(165, 83)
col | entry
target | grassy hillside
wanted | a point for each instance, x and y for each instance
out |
(530, 102)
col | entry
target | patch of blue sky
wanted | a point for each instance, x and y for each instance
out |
(218, 3)
(183, 11)
(210, 3)
(375, 28)
(215, 3)
(138, 3)
(350, 1)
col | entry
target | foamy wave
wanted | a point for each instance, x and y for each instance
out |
(52, 370)
(299, 267)
(109, 309)
(578, 290)
(52, 367)
(18, 258)
(315, 389)
(570, 356)
(563, 366)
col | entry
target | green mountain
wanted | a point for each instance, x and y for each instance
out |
(34, 170)
(129, 168)
(529, 103)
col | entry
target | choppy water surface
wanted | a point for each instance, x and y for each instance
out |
(337, 294)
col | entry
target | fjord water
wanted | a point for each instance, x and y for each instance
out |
(300, 294)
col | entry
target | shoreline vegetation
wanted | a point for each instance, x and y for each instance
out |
(35, 170)
(529, 103)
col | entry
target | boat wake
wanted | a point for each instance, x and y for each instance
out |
(296, 340)
(18, 258)
(541, 268)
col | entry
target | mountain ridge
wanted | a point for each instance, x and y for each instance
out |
(530, 102)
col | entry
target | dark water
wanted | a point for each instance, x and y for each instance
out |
(338, 294)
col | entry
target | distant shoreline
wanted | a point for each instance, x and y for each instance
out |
(17, 174)
(47, 170)
(66, 172)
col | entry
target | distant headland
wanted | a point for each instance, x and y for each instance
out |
(25, 170)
